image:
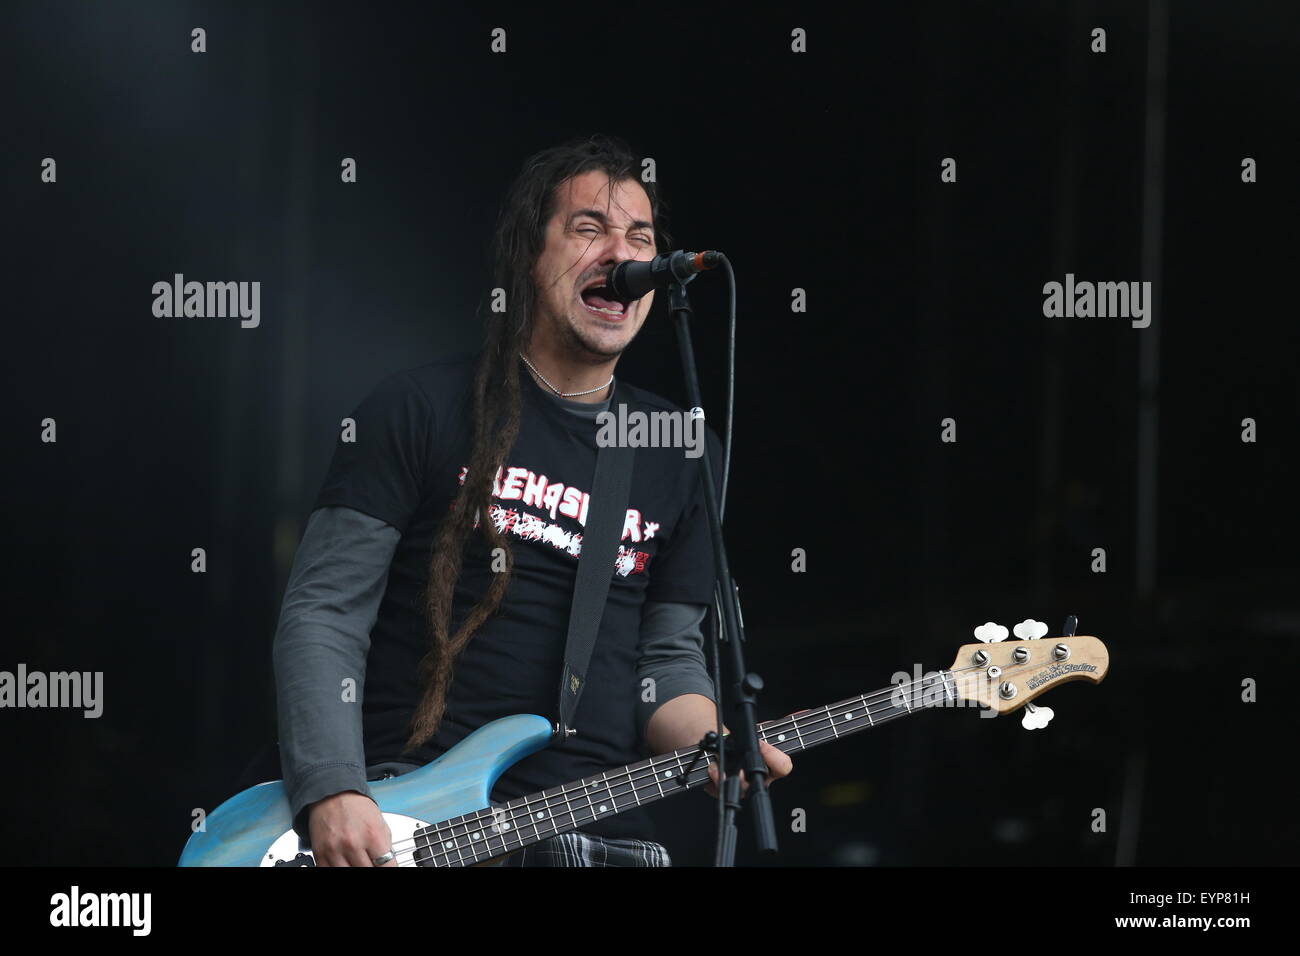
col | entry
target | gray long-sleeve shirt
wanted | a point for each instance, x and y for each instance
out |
(330, 605)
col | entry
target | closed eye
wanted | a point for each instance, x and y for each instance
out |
(595, 230)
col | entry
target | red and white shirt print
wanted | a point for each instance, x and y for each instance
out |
(551, 499)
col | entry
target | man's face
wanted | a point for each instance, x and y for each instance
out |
(591, 231)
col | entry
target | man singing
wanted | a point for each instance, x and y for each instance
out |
(436, 572)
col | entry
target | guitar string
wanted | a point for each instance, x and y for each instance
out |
(815, 722)
(472, 852)
(582, 815)
(618, 789)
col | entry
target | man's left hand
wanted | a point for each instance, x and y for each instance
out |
(778, 763)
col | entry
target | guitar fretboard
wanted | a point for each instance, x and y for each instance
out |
(504, 828)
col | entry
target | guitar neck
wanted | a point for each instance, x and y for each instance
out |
(507, 827)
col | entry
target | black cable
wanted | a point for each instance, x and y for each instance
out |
(722, 511)
(731, 385)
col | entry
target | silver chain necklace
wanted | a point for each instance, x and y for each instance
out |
(556, 390)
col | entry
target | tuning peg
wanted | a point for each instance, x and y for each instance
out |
(1036, 718)
(990, 633)
(1030, 630)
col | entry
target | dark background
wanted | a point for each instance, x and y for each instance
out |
(818, 171)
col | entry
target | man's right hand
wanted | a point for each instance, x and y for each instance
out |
(347, 829)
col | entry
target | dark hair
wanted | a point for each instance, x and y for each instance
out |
(520, 237)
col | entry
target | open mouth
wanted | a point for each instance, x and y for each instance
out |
(599, 299)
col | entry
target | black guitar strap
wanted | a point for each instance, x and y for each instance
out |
(601, 534)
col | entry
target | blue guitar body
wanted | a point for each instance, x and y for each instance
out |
(254, 828)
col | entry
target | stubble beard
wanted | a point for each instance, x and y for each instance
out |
(584, 347)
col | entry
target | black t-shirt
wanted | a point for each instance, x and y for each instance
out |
(407, 462)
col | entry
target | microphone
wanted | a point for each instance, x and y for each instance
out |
(633, 278)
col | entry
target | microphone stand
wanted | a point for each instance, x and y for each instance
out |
(742, 743)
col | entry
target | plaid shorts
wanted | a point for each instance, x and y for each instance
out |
(584, 849)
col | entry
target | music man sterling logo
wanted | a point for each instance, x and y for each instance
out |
(1058, 670)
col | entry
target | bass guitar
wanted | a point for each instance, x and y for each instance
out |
(442, 814)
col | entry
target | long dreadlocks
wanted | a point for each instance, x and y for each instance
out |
(519, 240)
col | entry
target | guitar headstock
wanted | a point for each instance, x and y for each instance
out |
(1006, 676)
